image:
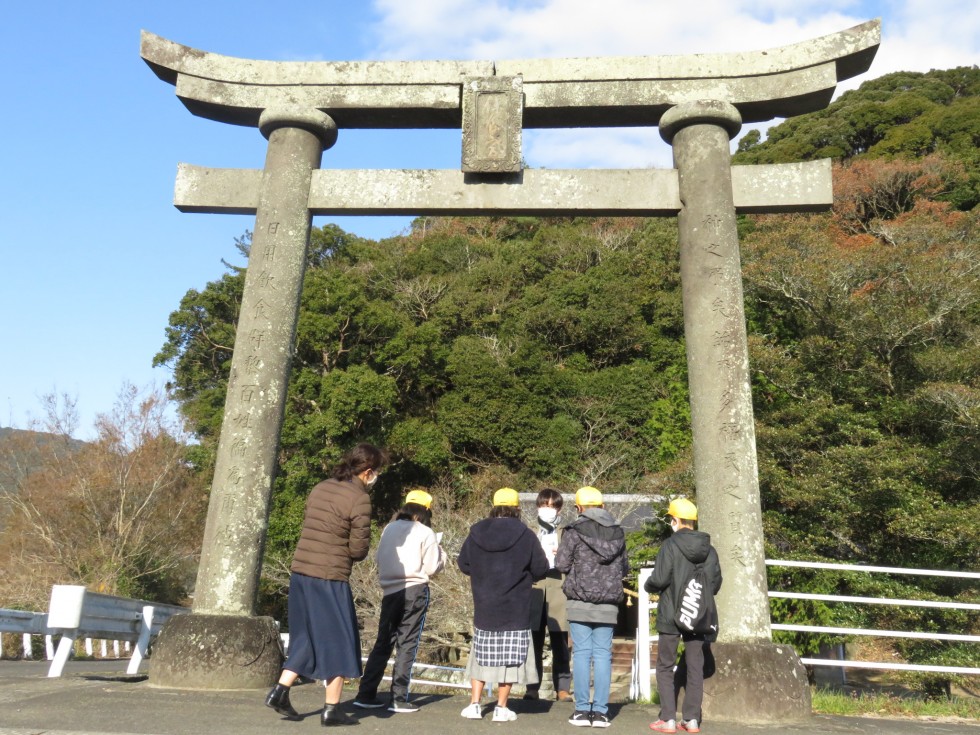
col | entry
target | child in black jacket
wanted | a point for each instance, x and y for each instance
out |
(674, 564)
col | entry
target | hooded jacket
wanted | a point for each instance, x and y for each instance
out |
(592, 555)
(674, 564)
(502, 558)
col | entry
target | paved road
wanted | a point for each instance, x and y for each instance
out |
(97, 698)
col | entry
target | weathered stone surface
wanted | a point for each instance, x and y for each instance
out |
(643, 101)
(614, 91)
(217, 652)
(238, 510)
(492, 112)
(700, 102)
(783, 187)
(753, 683)
(713, 111)
(722, 424)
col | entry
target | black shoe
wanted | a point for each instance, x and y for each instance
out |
(333, 715)
(369, 702)
(532, 694)
(581, 718)
(600, 720)
(401, 705)
(278, 699)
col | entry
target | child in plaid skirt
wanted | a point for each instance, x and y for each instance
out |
(503, 559)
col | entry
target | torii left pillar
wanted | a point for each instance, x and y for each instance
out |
(224, 645)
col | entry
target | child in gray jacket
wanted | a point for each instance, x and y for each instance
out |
(592, 554)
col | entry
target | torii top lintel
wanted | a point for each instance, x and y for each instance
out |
(558, 93)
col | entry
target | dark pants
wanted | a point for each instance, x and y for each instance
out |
(666, 683)
(561, 672)
(400, 627)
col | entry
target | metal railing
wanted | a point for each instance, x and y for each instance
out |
(641, 665)
(29, 624)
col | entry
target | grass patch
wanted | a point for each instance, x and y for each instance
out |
(829, 702)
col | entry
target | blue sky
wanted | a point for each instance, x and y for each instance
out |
(93, 256)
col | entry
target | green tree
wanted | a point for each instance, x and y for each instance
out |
(905, 114)
(530, 351)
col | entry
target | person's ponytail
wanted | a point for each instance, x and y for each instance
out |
(359, 459)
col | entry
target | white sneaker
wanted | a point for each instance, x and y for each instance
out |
(472, 711)
(503, 714)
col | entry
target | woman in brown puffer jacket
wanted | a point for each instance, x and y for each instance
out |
(323, 638)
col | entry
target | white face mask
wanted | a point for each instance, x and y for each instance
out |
(548, 515)
(674, 525)
(370, 483)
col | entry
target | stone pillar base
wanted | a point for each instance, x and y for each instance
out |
(759, 682)
(217, 652)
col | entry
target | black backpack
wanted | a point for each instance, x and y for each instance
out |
(695, 611)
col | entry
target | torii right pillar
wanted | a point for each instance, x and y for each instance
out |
(747, 677)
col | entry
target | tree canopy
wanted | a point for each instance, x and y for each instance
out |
(121, 514)
(548, 349)
(537, 351)
(900, 115)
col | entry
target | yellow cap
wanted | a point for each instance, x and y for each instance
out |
(683, 508)
(506, 496)
(419, 497)
(588, 496)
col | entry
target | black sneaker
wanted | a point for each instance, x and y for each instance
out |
(400, 705)
(600, 720)
(581, 719)
(369, 702)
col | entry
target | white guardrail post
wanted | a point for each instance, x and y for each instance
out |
(640, 688)
(65, 616)
(141, 621)
(143, 642)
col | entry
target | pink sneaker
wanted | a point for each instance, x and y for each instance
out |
(668, 726)
(690, 726)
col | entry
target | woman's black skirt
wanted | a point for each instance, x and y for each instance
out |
(323, 638)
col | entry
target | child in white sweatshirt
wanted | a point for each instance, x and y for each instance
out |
(408, 555)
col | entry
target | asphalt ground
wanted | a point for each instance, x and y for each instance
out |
(98, 698)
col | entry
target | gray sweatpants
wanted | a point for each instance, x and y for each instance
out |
(399, 627)
(667, 685)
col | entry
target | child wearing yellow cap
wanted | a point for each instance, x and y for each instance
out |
(408, 555)
(592, 556)
(502, 558)
(674, 564)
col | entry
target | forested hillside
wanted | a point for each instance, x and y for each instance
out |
(905, 115)
(528, 351)
(121, 513)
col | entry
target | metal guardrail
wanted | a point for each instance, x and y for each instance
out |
(641, 665)
(882, 665)
(76, 613)
(29, 624)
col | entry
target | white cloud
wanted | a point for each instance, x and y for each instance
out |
(918, 35)
(597, 148)
(497, 29)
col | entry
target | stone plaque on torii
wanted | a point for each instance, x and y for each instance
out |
(699, 102)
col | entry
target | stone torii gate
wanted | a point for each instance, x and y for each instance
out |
(699, 103)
